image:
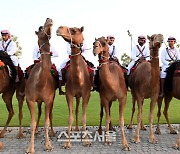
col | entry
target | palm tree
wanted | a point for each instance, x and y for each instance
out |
(125, 59)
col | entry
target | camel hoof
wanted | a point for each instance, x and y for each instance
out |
(129, 127)
(77, 129)
(20, 136)
(153, 141)
(143, 128)
(136, 141)
(126, 148)
(48, 148)
(87, 144)
(52, 134)
(30, 150)
(158, 132)
(2, 135)
(173, 132)
(67, 145)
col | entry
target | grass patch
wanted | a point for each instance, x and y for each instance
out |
(60, 112)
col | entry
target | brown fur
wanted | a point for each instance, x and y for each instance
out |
(41, 86)
(8, 88)
(112, 85)
(173, 91)
(144, 83)
(78, 81)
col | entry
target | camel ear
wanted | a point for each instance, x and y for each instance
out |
(95, 39)
(148, 37)
(36, 32)
(82, 28)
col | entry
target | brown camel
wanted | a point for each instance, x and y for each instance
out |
(112, 86)
(40, 86)
(146, 84)
(8, 88)
(172, 89)
(78, 80)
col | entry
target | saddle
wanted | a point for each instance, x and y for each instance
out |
(7, 63)
(54, 71)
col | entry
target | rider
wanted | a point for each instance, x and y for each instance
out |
(139, 52)
(168, 55)
(84, 52)
(9, 46)
(113, 52)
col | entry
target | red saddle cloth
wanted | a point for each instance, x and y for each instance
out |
(20, 72)
(177, 72)
(54, 71)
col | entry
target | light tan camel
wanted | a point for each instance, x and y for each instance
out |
(8, 88)
(40, 86)
(112, 85)
(78, 81)
(146, 84)
(171, 89)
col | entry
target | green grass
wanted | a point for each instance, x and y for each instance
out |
(60, 112)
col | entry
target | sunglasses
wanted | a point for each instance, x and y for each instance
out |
(111, 38)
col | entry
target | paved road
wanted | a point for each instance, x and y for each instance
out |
(164, 145)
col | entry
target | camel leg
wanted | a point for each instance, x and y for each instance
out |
(159, 103)
(48, 107)
(133, 110)
(84, 107)
(31, 106)
(51, 117)
(106, 106)
(20, 102)
(69, 99)
(177, 145)
(122, 104)
(142, 123)
(7, 97)
(110, 124)
(151, 135)
(77, 113)
(20, 99)
(39, 104)
(167, 100)
(139, 118)
(100, 124)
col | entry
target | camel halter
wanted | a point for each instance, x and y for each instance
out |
(104, 59)
(74, 45)
(49, 37)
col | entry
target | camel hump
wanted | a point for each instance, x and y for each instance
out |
(5, 58)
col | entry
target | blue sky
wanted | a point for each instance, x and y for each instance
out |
(99, 17)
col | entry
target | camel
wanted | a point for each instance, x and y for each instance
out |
(146, 85)
(8, 88)
(112, 86)
(78, 80)
(171, 89)
(41, 86)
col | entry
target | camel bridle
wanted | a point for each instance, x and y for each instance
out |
(78, 46)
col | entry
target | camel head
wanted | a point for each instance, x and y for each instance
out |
(155, 41)
(44, 32)
(100, 45)
(72, 35)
